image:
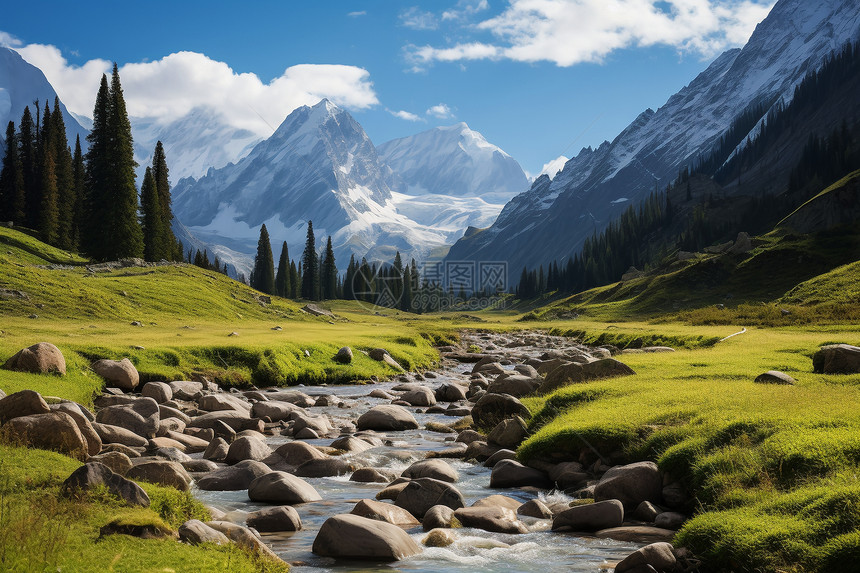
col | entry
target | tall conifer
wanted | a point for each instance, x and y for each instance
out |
(27, 154)
(79, 192)
(282, 279)
(328, 275)
(94, 228)
(12, 198)
(263, 275)
(310, 267)
(150, 219)
(66, 194)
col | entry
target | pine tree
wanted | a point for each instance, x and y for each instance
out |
(95, 209)
(328, 275)
(151, 218)
(12, 197)
(263, 275)
(67, 198)
(282, 279)
(295, 280)
(348, 286)
(27, 154)
(127, 237)
(169, 247)
(310, 267)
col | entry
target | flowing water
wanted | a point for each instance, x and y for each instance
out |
(540, 550)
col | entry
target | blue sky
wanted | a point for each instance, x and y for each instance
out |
(539, 78)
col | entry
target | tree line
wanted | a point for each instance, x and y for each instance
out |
(87, 202)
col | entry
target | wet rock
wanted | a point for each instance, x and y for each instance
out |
(480, 451)
(535, 508)
(371, 475)
(41, 358)
(94, 474)
(660, 556)
(158, 391)
(356, 537)
(499, 456)
(217, 450)
(636, 534)
(469, 436)
(294, 454)
(393, 490)
(275, 410)
(293, 397)
(646, 511)
(236, 420)
(281, 488)
(591, 517)
(439, 538)
(384, 512)
(434, 468)
(670, 520)
(166, 473)
(450, 393)
(775, 377)
(493, 408)
(222, 403)
(387, 417)
(119, 373)
(247, 448)
(199, 466)
(141, 417)
(495, 519)
(192, 445)
(510, 473)
(509, 433)
(186, 390)
(351, 444)
(421, 494)
(279, 518)
(515, 385)
(421, 396)
(56, 431)
(438, 516)
(166, 412)
(325, 468)
(23, 403)
(631, 484)
(233, 478)
(497, 500)
(195, 532)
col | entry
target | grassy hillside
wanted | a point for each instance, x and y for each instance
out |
(187, 318)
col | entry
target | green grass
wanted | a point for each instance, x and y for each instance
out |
(773, 468)
(42, 531)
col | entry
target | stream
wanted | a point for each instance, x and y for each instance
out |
(539, 550)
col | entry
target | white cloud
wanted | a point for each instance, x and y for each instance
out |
(169, 88)
(465, 8)
(408, 116)
(552, 167)
(418, 19)
(567, 32)
(441, 111)
(357, 14)
(8, 40)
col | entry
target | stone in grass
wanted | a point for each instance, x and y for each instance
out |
(344, 355)
(837, 359)
(94, 474)
(356, 537)
(775, 377)
(41, 358)
(195, 532)
(23, 403)
(119, 373)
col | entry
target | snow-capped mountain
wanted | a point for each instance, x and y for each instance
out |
(455, 161)
(21, 84)
(551, 220)
(194, 143)
(319, 165)
(454, 178)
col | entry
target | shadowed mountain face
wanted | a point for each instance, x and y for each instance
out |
(551, 220)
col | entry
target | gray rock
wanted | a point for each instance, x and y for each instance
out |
(166, 473)
(371, 475)
(510, 473)
(421, 396)
(186, 390)
(591, 517)
(195, 532)
(837, 359)
(344, 355)
(141, 417)
(56, 431)
(282, 488)
(574, 373)
(509, 433)
(387, 417)
(41, 358)
(660, 556)
(499, 456)
(384, 512)
(23, 403)
(775, 377)
(118, 462)
(115, 435)
(216, 451)
(294, 454)
(325, 468)
(233, 478)
(493, 408)
(434, 468)
(356, 537)
(222, 403)
(631, 484)
(95, 474)
(646, 511)
(158, 391)
(515, 385)
(275, 410)
(278, 518)
(450, 393)
(421, 494)
(247, 448)
(351, 444)
(495, 519)
(119, 373)
(438, 516)
(670, 520)
(199, 466)
(535, 508)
